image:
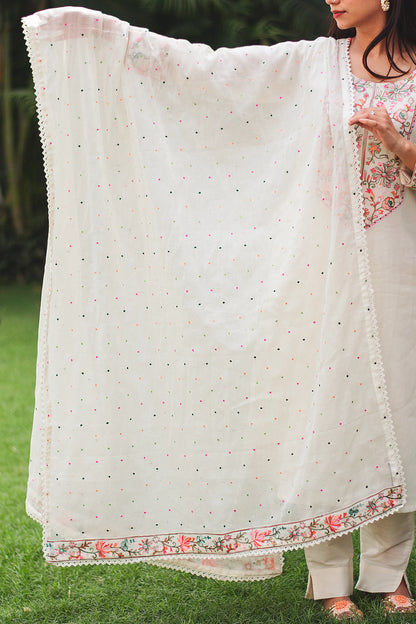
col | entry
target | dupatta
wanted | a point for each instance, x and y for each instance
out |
(210, 390)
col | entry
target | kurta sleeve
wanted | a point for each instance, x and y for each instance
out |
(408, 177)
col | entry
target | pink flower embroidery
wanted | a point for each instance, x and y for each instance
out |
(103, 548)
(334, 522)
(145, 546)
(259, 537)
(185, 543)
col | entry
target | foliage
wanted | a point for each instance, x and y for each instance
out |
(222, 22)
(23, 211)
(22, 257)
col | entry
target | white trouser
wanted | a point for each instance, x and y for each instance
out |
(385, 550)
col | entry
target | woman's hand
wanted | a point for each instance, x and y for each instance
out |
(376, 120)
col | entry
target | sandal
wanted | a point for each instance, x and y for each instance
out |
(399, 604)
(344, 610)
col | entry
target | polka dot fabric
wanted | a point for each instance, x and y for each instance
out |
(210, 390)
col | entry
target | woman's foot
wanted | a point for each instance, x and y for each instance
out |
(400, 591)
(342, 608)
(399, 601)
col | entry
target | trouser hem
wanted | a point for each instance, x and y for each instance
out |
(333, 581)
(375, 579)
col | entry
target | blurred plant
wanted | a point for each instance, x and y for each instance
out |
(246, 21)
(307, 18)
(17, 110)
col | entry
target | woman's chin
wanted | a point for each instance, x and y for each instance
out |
(343, 22)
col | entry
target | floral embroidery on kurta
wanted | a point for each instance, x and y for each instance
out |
(382, 172)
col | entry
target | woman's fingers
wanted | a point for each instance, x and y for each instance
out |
(375, 114)
(376, 120)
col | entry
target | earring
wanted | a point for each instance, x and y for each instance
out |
(385, 5)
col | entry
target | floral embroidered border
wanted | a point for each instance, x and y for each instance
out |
(283, 536)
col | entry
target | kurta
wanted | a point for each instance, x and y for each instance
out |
(389, 194)
(210, 388)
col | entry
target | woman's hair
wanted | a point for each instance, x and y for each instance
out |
(399, 35)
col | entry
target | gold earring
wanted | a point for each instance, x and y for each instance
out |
(385, 5)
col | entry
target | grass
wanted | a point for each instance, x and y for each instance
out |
(34, 592)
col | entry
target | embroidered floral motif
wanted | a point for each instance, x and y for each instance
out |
(235, 542)
(334, 522)
(382, 187)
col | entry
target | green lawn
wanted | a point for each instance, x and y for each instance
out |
(32, 591)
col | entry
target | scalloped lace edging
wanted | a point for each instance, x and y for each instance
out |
(39, 88)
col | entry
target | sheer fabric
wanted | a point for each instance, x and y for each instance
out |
(210, 387)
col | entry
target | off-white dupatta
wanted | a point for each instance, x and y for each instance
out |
(210, 390)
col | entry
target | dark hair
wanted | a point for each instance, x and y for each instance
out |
(399, 34)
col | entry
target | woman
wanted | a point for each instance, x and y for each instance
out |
(383, 57)
(210, 371)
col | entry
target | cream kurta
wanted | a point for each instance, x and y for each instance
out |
(389, 209)
(210, 390)
(392, 253)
